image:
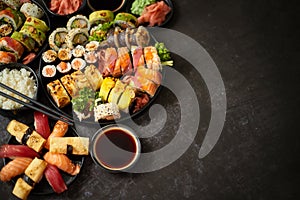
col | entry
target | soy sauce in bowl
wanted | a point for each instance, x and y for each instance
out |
(115, 148)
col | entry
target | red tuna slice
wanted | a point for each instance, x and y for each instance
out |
(11, 151)
(41, 124)
(55, 179)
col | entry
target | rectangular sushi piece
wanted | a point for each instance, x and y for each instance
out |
(70, 85)
(35, 169)
(73, 145)
(22, 189)
(93, 76)
(58, 93)
(152, 59)
(116, 92)
(80, 80)
(25, 135)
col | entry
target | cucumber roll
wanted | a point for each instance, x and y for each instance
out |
(76, 37)
(36, 34)
(57, 39)
(78, 21)
(25, 40)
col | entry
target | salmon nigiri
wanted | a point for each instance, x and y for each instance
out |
(14, 168)
(62, 162)
(59, 130)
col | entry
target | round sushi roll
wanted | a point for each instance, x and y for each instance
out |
(10, 21)
(8, 57)
(49, 71)
(34, 33)
(37, 23)
(25, 40)
(78, 51)
(78, 21)
(64, 54)
(92, 46)
(78, 63)
(11, 45)
(90, 57)
(77, 36)
(101, 16)
(31, 10)
(57, 39)
(63, 67)
(14, 4)
(49, 56)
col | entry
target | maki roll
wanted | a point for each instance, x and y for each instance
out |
(78, 21)
(101, 16)
(92, 46)
(63, 67)
(90, 57)
(78, 51)
(78, 63)
(14, 4)
(37, 23)
(25, 40)
(49, 56)
(77, 36)
(57, 39)
(8, 57)
(126, 20)
(49, 71)
(64, 54)
(36, 34)
(31, 10)
(11, 45)
(9, 21)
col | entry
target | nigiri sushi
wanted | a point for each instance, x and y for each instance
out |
(55, 179)
(123, 62)
(11, 151)
(62, 162)
(150, 74)
(14, 168)
(152, 59)
(59, 130)
(41, 124)
(111, 57)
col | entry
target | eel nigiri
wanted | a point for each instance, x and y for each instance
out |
(59, 130)
(14, 168)
(62, 162)
(55, 179)
(41, 124)
(11, 150)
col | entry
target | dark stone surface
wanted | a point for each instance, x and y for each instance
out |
(255, 45)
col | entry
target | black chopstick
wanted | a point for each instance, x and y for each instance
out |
(55, 115)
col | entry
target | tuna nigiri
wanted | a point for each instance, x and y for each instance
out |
(59, 130)
(41, 124)
(62, 162)
(14, 168)
(55, 179)
(11, 150)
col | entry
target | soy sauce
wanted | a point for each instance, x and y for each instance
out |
(115, 148)
(105, 5)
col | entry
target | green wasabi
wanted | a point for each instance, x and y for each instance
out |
(139, 5)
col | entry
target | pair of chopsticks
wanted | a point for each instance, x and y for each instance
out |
(43, 108)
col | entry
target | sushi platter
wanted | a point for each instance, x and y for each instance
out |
(94, 66)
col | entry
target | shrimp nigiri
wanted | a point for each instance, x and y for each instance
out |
(59, 130)
(14, 168)
(62, 162)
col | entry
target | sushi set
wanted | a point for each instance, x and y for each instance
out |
(100, 68)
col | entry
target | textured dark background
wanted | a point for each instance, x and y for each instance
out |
(255, 45)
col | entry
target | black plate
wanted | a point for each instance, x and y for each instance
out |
(42, 48)
(68, 111)
(43, 187)
(19, 66)
(168, 17)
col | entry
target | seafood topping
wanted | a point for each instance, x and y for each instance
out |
(55, 179)
(10, 151)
